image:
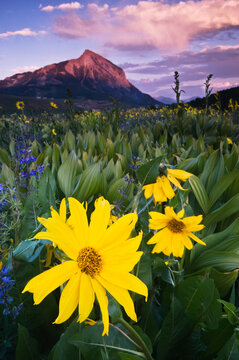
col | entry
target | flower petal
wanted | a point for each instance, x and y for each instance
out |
(78, 222)
(103, 302)
(99, 221)
(124, 262)
(62, 210)
(43, 284)
(195, 238)
(69, 299)
(64, 237)
(167, 188)
(179, 174)
(86, 297)
(120, 248)
(174, 181)
(118, 232)
(121, 295)
(126, 281)
(148, 190)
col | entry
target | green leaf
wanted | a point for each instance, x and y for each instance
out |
(199, 192)
(230, 350)
(26, 345)
(29, 250)
(223, 261)
(223, 212)
(124, 356)
(199, 298)
(63, 349)
(174, 329)
(4, 157)
(230, 311)
(66, 174)
(148, 173)
(8, 175)
(216, 240)
(224, 280)
(221, 186)
(92, 344)
(89, 183)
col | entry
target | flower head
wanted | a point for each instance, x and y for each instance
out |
(20, 105)
(53, 132)
(162, 189)
(101, 258)
(175, 231)
(53, 105)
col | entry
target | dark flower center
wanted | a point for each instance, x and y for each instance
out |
(89, 261)
(175, 226)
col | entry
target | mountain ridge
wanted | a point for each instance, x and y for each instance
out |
(90, 76)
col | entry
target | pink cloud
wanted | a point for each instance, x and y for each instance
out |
(22, 32)
(64, 7)
(193, 68)
(154, 24)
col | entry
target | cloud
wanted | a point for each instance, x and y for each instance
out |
(23, 32)
(150, 25)
(156, 77)
(21, 69)
(64, 7)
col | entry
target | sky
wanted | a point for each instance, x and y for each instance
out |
(149, 39)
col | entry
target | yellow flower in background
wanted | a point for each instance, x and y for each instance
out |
(54, 132)
(20, 105)
(229, 141)
(162, 189)
(175, 231)
(53, 105)
(101, 259)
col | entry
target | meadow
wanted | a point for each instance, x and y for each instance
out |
(140, 200)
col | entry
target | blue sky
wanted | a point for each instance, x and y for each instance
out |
(148, 39)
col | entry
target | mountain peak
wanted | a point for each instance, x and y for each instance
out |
(90, 76)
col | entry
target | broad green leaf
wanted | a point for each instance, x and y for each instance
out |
(215, 240)
(230, 350)
(29, 250)
(63, 349)
(92, 344)
(149, 172)
(174, 330)
(224, 281)
(223, 261)
(221, 186)
(26, 345)
(230, 311)
(199, 298)
(229, 208)
(66, 174)
(8, 175)
(199, 192)
(89, 183)
(209, 166)
(4, 157)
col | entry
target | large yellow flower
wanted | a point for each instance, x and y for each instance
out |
(162, 189)
(175, 231)
(101, 259)
(20, 105)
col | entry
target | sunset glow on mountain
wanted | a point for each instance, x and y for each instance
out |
(148, 39)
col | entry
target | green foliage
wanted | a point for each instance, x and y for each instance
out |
(192, 309)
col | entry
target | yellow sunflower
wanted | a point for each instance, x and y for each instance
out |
(53, 105)
(162, 190)
(101, 258)
(20, 105)
(175, 231)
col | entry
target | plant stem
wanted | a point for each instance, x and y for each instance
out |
(137, 338)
